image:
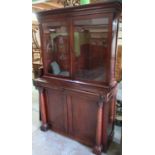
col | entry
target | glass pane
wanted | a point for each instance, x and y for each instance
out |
(57, 47)
(90, 46)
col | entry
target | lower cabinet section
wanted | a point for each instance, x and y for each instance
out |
(83, 116)
(72, 114)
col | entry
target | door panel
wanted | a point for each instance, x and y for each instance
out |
(84, 118)
(56, 110)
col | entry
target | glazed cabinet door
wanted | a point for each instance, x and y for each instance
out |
(91, 36)
(56, 110)
(83, 118)
(56, 47)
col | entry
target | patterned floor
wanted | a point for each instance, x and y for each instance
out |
(51, 143)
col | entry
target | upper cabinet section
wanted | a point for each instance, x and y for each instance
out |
(79, 43)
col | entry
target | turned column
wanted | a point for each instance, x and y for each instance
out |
(98, 147)
(43, 112)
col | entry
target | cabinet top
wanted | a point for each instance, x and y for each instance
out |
(106, 6)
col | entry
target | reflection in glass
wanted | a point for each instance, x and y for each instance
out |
(90, 46)
(58, 50)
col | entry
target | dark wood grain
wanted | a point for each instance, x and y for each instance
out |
(80, 109)
(43, 108)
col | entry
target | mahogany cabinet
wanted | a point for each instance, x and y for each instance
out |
(77, 86)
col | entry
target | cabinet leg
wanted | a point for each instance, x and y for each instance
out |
(105, 148)
(105, 117)
(97, 150)
(98, 147)
(44, 126)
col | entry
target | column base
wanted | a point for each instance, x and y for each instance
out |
(97, 150)
(44, 127)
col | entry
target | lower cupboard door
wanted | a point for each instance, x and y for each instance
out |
(84, 118)
(56, 110)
